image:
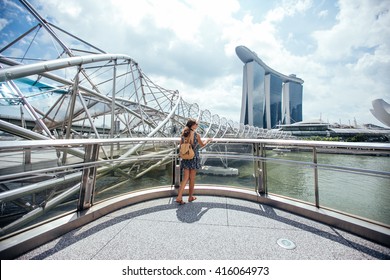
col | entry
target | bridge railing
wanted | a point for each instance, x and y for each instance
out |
(38, 186)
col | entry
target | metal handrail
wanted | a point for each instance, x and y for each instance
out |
(282, 142)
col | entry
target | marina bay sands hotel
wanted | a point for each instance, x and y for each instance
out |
(269, 98)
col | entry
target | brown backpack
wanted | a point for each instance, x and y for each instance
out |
(186, 150)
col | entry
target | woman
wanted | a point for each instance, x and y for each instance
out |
(190, 165)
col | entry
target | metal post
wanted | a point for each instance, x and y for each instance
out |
(27, 156)
(263, 169)
(316, 193)
(176, 167)
(256, 166)
(88, 179)
(113, 109)
(259, 168)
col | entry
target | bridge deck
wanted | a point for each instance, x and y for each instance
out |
(208, 228)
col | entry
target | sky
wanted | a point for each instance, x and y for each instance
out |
(341, 49)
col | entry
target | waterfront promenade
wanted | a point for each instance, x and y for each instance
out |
(212, 227)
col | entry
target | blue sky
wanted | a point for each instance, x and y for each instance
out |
(341, 49)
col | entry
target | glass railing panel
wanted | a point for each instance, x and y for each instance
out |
(36, 185)
(134, 168)
(41, 205)
(228, 165)
(117, 183)
(290, 173)
(356, 191)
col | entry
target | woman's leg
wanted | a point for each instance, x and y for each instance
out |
(191, 196)
(186, 176)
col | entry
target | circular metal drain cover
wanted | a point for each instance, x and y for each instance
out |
(285, 243)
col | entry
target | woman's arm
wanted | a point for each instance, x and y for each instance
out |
(202, 143)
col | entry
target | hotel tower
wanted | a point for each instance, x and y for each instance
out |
(269, 98)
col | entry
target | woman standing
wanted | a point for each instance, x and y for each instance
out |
(190, 165)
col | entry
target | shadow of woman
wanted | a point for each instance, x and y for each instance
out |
(190, 212)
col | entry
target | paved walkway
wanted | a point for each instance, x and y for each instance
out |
(217, 228)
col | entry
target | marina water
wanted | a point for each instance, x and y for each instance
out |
(361, 194)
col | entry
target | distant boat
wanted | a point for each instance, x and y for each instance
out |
(218, 171)
(281, 150)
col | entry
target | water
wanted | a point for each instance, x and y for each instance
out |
(362, 195)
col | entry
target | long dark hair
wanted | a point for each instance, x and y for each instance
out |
(190, 123)
(186, 132)
(187, 129)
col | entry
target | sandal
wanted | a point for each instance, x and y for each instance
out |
(192, 199)
(181, 202)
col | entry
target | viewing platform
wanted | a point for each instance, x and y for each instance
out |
(210, 228)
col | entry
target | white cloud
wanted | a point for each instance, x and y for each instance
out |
(3, 23)
(355, 61)
(323, 14)
(288, 8)
(189, 45)
(360, 24)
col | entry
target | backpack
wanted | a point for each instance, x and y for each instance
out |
(186, 150)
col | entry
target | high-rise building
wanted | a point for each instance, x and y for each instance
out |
(292, 102)
(269, 98)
